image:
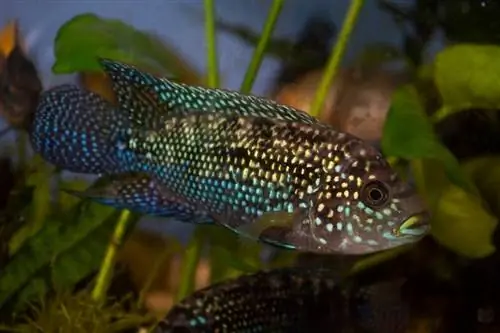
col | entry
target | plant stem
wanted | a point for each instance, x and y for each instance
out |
(106, 269)
(213, 70)
(22, 141)
(336, 56)
(190, 264)
(258, 55)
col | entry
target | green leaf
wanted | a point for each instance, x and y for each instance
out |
(430, 178)
(467, 76)
(69, 248)
(40, 206)
(485, 173)
(409, 134)
(227, 255)
(377, 258)
(84, 38)
(462, 223)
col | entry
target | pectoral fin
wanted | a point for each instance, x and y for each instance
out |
(270, 228)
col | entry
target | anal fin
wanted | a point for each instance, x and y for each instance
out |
(139, 193)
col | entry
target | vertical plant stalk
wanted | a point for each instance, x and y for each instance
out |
(190, 264)
(336, 56)
(22, 142)
(258, 55)
(213, 68)
(193, 252)
(106, 269)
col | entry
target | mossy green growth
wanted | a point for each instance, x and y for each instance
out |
(77, 313)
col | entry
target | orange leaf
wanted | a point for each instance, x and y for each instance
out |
(98, 83)
(8, 38)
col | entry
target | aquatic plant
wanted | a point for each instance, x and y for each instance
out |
(63, 241)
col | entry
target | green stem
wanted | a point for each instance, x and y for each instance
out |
(190, 264)
(22, 142)
(336, 56)
(213, 70)
(106, 269)
(165, 256)
(258, 55)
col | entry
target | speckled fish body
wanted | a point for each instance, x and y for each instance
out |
(380, 307)
(307, 186)
(278, 301)
(291, 300)
(68, 115)
(335, 192)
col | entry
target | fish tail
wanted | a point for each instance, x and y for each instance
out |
(78, 131)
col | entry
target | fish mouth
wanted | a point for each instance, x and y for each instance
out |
(417, 225)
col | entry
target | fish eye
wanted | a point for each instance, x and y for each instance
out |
(375, 194)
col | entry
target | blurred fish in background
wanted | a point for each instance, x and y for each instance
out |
(20, 85)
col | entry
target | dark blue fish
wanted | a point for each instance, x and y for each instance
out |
(279, 301)
(297, 184)
(290, 300)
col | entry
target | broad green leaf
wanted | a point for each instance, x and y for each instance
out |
(228, 257)
(84, 38)
(65, 200)
(68, 246)
(430, 178)
(39, 209)
(230, 260)
(377, 258)
(462, 223)
(459, 221)
(485, 172)
(467, 76)
(409, 134)
(78, 261)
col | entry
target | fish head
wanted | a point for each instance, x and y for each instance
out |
(367, 207)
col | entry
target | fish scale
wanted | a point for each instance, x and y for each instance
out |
(143, 97)
(292, 300)
(160, 98)
(240, 170)
(284, 300)
(282, 178)
(221, 172)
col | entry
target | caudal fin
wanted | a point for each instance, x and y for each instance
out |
(77, 130)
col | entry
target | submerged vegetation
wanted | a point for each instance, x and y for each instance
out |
(62, 268)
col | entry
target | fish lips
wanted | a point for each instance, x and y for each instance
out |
(416, 225)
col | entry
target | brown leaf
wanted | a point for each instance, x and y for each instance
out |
(20, 85)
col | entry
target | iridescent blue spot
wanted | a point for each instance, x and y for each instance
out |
(347, 211)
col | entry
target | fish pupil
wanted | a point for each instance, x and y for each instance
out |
(376, 194)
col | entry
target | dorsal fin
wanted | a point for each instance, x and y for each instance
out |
(136, 93)
(150, 99)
